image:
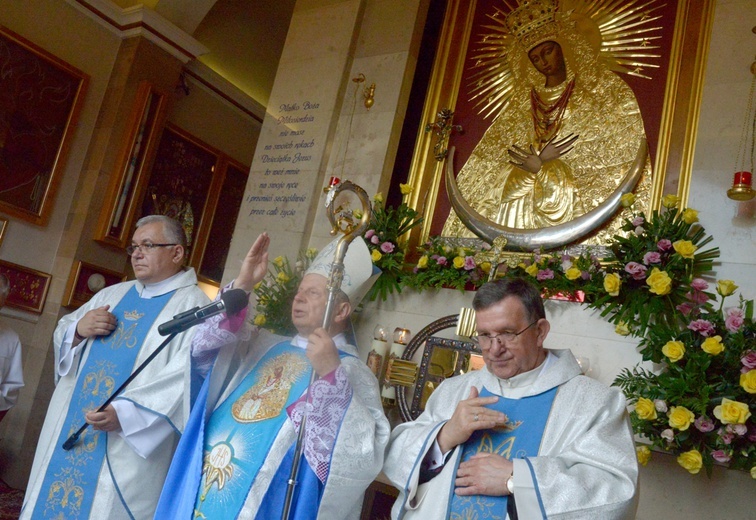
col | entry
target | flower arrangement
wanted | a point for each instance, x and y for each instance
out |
(387, 225)
(699, 405)
(441, 265)
(275, 293)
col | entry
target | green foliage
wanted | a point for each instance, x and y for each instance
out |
(441, 265)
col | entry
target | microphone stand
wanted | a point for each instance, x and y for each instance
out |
(351, 231)
(74, 438)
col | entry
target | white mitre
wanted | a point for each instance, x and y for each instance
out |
(359, 271)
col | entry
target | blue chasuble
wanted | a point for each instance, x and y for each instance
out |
(519, 438)
(71, 478)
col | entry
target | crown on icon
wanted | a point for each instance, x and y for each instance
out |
(533, 22)
(132, 315)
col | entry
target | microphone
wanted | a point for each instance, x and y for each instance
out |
(231, 302)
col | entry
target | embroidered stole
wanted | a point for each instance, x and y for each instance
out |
(519, 438)
(235, 452)
(71, 478)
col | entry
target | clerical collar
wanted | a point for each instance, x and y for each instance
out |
(529, 377)
(157, 289)
(301, 342)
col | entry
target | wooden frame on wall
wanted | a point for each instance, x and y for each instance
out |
(3, 227)
(41, 97)
(675, 122)
(85, 280)
(28, 287)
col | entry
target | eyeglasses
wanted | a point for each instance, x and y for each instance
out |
(486, 340)
(146, 248)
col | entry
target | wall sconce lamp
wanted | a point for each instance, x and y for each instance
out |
(368, 92)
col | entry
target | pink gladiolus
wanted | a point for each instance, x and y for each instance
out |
(387, 247)
(699, 284)
(652, 257)
(664, 245)
(703, 424)
(636, 270)
(720, 456)
(703, 327)
(734, 319)
(469, 263)
(545, 274)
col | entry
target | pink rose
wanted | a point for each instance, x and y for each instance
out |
(469, 263)
(441, 260)
(699, 284)
(387, 247)
(720, 456)
(749, 360)
(664, 245)
(703, 327)
(734, 319)
(370, 233)
(652, 257)
(704, 424)
(375, 240)
(737, 429)
(725, 436)
(697, 297)
(636, 270)
(638, 221)
(545, 274)
(685, 308)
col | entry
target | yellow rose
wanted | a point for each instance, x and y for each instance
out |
(378, 198)
(423, 262)
(486, 266)
(674, 350)
(532, 269)
(713, 345)
(627, 200)
(282, 277)
(685, 248)
(257, 285)
(670, 201)
(375, 255)
(573, 273)
(732, 412)
(522, 265)
(311, 253)
(612, 284)
(644, 454)
(691, 460)
(259, 320)
(279, 261)
(753, 472)
(690, 216)
(726, 287)
(659, 282)
(406, 189)
(645, 409)
(459, 262)
(622, 329)
(680, 417)
(748, 381)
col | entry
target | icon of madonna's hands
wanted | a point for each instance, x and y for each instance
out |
(556, 148)
(528, 161)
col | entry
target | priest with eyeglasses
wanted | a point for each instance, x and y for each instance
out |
(117, 467)
(527, 436)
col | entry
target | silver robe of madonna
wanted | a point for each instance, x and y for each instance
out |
(586, 466)
(357, 456)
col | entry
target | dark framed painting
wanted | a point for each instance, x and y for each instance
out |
(85, 280)
(3, 226)
(41, 97)
(672, 55)
(28, 287)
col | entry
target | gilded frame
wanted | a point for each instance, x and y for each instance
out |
(78, 291)
(28, 289)
(43, 97)
(678, 121)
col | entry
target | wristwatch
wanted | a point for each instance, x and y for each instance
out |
(510, 484)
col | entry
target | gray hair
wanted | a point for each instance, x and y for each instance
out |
(492, 293)
(4, 286)
(172, 228)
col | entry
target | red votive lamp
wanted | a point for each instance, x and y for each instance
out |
(741, 187)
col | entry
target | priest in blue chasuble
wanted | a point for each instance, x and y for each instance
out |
(235, 458)
(527, 436)
(117, 467)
